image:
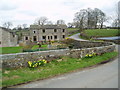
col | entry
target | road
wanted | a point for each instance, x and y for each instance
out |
(103, 76)
(76, 37)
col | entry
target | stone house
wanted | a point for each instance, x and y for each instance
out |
(7, 38)
(45, 33)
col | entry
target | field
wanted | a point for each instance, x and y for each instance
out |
(72, 29)
(55, 67)
(102, 32)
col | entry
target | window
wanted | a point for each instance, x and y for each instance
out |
(34, 31)
(43, 30)
(63, 36)
(55, 37)
(51, 37)
(34, 38)
(44, 37)
(26, 38)
(13, 35)
(63, 30)
(48, 37)
(55, 30)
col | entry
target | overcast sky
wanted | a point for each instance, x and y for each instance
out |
(26, 11)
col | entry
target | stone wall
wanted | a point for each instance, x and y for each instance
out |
(89, 44)
(21, 59)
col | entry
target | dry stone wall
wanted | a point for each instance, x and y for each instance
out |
(21, 59)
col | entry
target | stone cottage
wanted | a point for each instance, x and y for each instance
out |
(45, 33)
(7, 38)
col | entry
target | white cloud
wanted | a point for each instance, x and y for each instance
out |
(26, 11)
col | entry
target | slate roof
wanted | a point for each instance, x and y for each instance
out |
(8, 30)
(48, 26)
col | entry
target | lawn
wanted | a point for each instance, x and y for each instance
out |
(6, 50)
(55, 67)
(37, 46)
(102, 32)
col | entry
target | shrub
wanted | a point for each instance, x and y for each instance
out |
(68, 41)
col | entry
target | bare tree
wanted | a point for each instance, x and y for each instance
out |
(19, 27)
(49, 23)
(80, 19)
(41, 21)
(60, 22)
(24, 26)
(70, 25)
(7, 25)
(102, 19)
(118, 13)
(115, 23)
(89, 18)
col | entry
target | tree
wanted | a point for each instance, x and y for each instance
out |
(19, 27)
(7, 25)
(70, 25)
(80, 19)
(60, 22)
(102, 19)
(115, 23)
(41, 20)
(49, 23)
(89, 18)
(24, 26)
(118, 14)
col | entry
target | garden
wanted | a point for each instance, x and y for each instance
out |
(32, 47)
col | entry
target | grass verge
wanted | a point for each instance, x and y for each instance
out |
(22, 75)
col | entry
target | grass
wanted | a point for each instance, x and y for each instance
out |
(91, 39)
(102, 32)
(73, 33)
(37, 46)
(6, 50)
(21, 75)
(72, 29)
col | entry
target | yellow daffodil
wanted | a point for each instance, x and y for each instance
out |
(66, 38)
(90, 55)
(30, 63)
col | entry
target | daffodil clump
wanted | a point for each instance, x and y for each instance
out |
(90, 55)
(66, 38)
(36, 63)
